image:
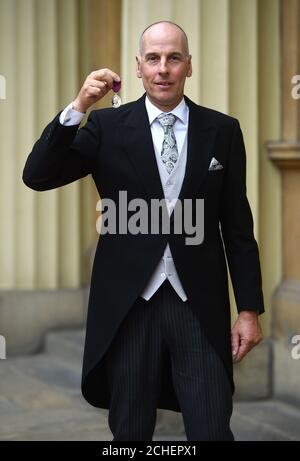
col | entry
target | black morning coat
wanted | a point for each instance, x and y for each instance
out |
(115, 147)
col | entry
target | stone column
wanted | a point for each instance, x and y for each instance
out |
(47, 47)
(285, 153)
(105, 52)
(105, 36)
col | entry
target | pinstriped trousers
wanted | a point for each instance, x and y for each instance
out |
(134, 363)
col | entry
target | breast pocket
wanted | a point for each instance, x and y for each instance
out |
(214, 181)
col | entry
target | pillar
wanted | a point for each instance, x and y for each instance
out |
(285, 153)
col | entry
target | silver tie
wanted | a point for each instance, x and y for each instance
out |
(169, 152)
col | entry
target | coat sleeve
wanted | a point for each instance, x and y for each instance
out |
(62, 155)
(237, 230)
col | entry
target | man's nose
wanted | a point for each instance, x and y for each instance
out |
(163, 68)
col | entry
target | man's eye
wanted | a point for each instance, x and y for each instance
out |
(174, 58)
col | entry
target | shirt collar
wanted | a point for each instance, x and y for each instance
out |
(181, 111)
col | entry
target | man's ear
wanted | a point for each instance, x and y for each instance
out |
(190, 69)
(138, 67)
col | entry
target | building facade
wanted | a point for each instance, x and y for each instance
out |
(246, 62)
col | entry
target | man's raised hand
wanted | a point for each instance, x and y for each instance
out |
(96, 85)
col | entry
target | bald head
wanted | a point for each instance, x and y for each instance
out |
(166, 27)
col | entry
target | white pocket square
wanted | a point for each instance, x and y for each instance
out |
(215, 165)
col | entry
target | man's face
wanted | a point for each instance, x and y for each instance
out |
(164, 65)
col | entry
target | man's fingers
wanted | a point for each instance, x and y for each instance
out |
(244, 348)
(95, 88)
(106, 75)
(235, 342)
(114, 77)
(96, 85)
(245, 334)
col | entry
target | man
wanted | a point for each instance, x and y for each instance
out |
(158, 328)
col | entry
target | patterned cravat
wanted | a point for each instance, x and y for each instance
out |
(169, 152)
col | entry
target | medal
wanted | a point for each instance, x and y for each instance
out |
(116, 100)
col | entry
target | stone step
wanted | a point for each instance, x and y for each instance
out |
(40, 397)
(267, 420)
(59, 373)
(255, 420)
(66, 345)
(53, 417)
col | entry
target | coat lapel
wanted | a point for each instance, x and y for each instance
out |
(139, 148)
(199, 151)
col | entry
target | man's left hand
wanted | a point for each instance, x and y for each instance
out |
(245, 334)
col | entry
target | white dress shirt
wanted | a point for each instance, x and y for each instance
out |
(70, 116)
(171, 183)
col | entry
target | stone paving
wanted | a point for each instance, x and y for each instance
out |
(40, 399)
